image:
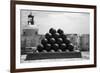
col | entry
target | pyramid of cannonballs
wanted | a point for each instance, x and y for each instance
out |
(55, 41)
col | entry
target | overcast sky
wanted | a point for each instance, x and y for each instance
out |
(70, 22)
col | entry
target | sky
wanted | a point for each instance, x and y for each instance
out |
(70, 22)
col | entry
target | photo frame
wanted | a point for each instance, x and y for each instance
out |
(34, 22)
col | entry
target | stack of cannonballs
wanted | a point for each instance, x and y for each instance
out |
(55, 41)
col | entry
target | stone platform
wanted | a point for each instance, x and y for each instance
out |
(54, 55)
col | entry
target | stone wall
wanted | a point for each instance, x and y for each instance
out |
(31, 38)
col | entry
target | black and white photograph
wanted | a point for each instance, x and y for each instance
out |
(54, 35)
(48, 36)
